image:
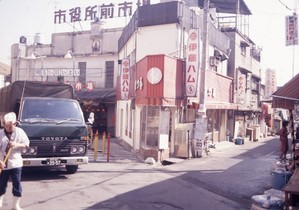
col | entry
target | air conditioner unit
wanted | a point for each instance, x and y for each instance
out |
(214, 61)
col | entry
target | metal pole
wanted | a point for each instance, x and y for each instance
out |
(95, 147)
(188, 140)
(294, 43)
(108, 148)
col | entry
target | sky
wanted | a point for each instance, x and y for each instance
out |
(266, 28)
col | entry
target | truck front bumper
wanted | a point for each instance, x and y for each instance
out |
(55, 161)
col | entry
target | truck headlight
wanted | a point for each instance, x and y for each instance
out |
(29, 151)
(79, 149)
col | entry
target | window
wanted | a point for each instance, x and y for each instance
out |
(109, 74)
(49, 110)
(243, 46)
(82, 76)
(243, 50)
(150, 126)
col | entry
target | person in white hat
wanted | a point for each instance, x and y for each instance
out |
(15, 138)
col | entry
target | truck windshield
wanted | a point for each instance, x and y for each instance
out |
(59, 111)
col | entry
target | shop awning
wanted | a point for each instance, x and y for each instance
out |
(288, 95)
(98, 95)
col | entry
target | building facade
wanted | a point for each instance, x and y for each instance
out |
(87, 60)
(145, 82)
(155, 41)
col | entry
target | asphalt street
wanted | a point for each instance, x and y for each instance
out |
(234, 171)
(226, 179)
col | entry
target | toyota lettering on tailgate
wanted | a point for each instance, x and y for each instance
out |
(54, 138)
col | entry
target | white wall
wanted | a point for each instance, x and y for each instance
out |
(153, 40)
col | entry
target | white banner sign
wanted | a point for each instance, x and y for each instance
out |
(192, 62)
(125, 79)
(291, 30)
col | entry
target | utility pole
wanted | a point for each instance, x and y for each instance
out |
(204, 55)
(201, 118)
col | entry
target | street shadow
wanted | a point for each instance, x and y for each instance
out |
(248, 174)
(43, 173)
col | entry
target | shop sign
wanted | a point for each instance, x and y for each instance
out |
(139, 84)
(211, 92)
(192, 62)
(90, 86)
(78, 86)
(291, 30)
(58, 72)
(125, 79)
(241, 83)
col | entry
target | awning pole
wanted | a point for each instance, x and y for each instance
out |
(292, 136)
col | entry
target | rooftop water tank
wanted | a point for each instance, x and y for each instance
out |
(38, 39)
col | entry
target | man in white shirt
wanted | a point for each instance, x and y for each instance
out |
(14, 138)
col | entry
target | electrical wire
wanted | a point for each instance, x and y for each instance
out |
(284, 5)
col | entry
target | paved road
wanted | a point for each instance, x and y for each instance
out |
(224, 180)
(234, 172)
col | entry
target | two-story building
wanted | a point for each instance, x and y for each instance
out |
(87, 60)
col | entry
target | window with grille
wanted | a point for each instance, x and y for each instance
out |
(82, 77)
(109, 74)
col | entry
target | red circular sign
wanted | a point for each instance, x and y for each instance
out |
(193, 36)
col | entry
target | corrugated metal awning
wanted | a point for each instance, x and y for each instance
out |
(287, 95)
(97, 95)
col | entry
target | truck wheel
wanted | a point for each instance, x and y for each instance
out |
(71, 169)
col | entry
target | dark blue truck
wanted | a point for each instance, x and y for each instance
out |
(53, 121)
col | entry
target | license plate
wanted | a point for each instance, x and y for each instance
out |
(53, 162)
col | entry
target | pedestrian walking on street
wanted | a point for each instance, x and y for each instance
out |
(12, 140)
(284, 143)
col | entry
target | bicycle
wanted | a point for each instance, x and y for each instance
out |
(208, 144)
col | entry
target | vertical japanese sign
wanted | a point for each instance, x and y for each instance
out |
(291, 30)
(192, 62)
(125, 79)
(241, 85)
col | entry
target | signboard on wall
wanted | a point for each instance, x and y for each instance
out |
(241, 85)
(125, 79)
(192, 62)
(58, 72)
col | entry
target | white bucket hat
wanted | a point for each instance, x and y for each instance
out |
(10, 118)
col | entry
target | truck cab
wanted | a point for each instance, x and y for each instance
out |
(53, 121)
(57, 132)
